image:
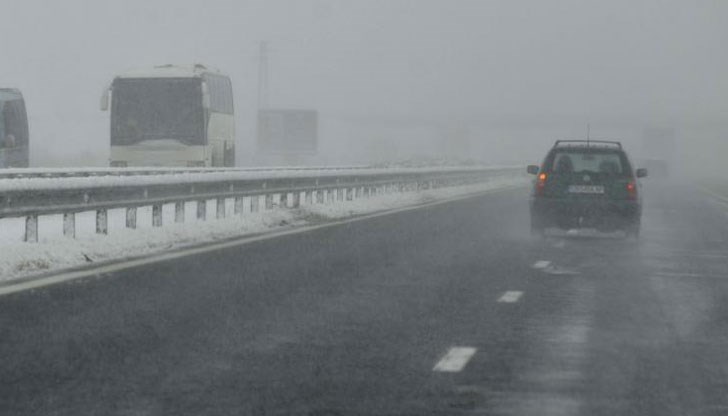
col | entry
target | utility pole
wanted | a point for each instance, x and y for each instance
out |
(588, 133)
(263, 76)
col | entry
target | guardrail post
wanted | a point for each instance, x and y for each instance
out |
(179, 211)
(284, 200)
(340, 194)
(131, 217)
(297, 199)
(308, 197)
(238, 209)
(329, 196)
(31, 229)
(220, 208)
(157, 215)
(202, 209)
(319, 196)
(254, 203)
(69, 224)
(268, 201)
(349, 194)
(102, 222)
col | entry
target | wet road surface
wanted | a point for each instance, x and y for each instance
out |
(449, 310)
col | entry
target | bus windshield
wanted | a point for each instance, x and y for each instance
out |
(13, 131)
(157, 109)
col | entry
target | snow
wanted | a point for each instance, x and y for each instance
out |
(28, 184)
(55, 252)
(169, 71)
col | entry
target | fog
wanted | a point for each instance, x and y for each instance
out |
(493, 81)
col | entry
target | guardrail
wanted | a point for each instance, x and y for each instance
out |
(35, 173)
(31, 198)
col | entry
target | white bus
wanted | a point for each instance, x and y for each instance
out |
(171, 116)
(13, 129)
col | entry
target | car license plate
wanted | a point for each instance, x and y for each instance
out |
(586, 189)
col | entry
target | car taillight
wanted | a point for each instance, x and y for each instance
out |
(631, 190)
(540, 183)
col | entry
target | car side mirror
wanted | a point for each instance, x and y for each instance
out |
(641, 173)
(532, 169)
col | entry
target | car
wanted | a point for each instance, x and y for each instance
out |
(586, 184)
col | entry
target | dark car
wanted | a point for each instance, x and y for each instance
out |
(586, 184)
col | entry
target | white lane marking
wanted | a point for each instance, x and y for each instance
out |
(455, 360)
(559, 271)
(541, 264)
(36, 282)
(511, 296)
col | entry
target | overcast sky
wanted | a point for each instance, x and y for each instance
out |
(486, 65)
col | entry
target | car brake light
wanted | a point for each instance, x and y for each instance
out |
(631, 190)
(541, 183)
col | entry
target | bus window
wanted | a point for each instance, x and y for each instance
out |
(154, 109)
(13, 130)
(15, 124)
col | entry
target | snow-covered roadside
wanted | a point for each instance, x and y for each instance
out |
(18, 259)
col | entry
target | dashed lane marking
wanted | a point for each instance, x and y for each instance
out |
(511, 296)
(455, 360)
(541, 264)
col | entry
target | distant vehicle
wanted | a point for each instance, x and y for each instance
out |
(658, 168)
(586, 184)
(659, 143)
(14, 136)
(171, 116)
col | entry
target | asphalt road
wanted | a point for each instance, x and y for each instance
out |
(448, 310)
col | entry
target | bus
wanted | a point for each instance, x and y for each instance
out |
(171, 115)
(14, 135)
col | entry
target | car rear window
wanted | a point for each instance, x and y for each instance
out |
(610, 163)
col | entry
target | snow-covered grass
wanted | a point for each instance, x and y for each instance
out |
(54, 252)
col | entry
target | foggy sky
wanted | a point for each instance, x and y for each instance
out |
(384, 71)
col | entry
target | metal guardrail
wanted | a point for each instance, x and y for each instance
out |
(323, 188)
(35, 173)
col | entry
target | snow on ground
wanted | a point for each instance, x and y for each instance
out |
(34, 183)
(54, 252)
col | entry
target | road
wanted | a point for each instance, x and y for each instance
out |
(448, 310)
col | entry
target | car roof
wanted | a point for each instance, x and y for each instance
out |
(596, 144)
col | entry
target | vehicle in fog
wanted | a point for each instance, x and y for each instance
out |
(14, 136)
(171, 116)
(659, 168)
(586, 184)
